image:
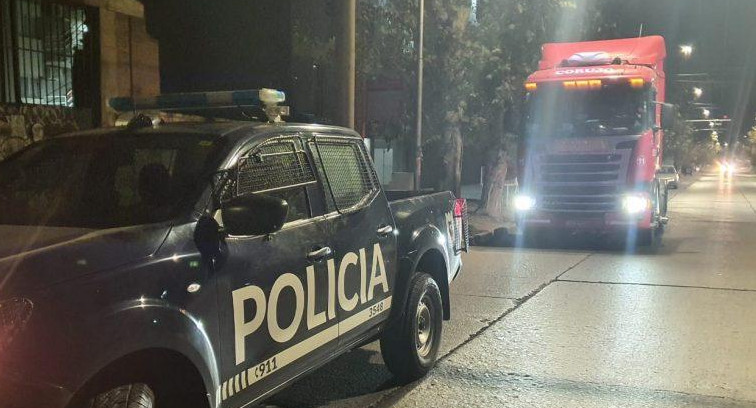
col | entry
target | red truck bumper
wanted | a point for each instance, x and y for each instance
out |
(580, 222)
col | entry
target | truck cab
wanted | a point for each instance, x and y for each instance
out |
(593, 140)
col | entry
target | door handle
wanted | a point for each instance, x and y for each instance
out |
(320, 254)
(385, 230)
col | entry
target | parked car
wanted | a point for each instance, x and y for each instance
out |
(211, 264)
(669, 176)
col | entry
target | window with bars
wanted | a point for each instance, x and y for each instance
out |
(48, 53)
(348, 177)
(279, 168)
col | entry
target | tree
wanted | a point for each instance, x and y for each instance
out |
(511, 33)
(474, 73)
(453, 53)
(386, 33)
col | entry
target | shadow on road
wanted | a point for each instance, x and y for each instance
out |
(577, 242)
(358, 373)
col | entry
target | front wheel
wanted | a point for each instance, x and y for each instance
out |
(410, 346)
(648, 237)
(125, 396)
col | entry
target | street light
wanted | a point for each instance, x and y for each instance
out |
(697, 92)
(419, 126)
(706, 113)
(686, 50)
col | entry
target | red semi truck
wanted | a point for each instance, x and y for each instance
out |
(593, 140)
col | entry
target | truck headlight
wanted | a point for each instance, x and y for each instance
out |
(635, 203)
(524, 202)
(14, 313)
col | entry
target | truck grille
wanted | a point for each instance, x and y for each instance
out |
(581, 183)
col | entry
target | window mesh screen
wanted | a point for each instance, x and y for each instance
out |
(274, 166)
(348, 174)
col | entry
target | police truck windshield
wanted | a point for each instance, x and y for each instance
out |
(613, 110)
(103, 181)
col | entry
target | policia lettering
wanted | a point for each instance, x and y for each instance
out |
(351, 264)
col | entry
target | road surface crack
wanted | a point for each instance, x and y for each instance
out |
(391, 397)
(660, 285)
(740, 190)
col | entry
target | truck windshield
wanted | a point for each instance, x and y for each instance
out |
(103, 181)
(614, 110)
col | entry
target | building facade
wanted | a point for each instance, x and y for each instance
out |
(61, 60)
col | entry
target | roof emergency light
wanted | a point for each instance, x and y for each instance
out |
(271, 96)
(265, 99)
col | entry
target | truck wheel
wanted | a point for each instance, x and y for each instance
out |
(125, 396)
(649, 238)
(410, 347)
(534, 238)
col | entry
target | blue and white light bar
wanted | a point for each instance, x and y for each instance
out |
(200, 100)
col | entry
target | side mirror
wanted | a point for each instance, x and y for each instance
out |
(254, 214)
(668, 116)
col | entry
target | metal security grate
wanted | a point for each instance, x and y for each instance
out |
(349, 177)
(275, 166)
(47, 53)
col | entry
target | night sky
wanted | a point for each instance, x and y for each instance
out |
(723, 35)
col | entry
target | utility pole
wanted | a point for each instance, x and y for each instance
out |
(346, 61)
(419, 126)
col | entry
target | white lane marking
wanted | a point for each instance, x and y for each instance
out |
(301, 349)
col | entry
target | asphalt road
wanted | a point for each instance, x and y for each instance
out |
(589, 323)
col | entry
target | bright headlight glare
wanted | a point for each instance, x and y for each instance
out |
(524, 202)
(14, 314)
(635, 204)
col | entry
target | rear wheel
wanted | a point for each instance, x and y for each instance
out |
(652, 237)
(126, 396)
(410, 347)
(536, 238)
(648, 237)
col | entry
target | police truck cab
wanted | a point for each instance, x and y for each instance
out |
(210, 263)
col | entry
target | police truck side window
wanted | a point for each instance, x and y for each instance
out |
(279, 168)
(347, 175)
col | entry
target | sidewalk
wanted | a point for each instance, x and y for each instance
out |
(489, 231)
(486, 230)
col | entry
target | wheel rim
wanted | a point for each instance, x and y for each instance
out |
(425, 329)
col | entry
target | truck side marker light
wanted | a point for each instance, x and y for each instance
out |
(637, 82)
(583, 84)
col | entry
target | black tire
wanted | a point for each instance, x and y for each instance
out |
(647, 238)
(410, 346)
(536, 238)
(125, 396)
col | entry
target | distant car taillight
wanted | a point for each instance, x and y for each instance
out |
(461, 226)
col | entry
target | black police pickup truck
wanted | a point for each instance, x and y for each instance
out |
(210, 264)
